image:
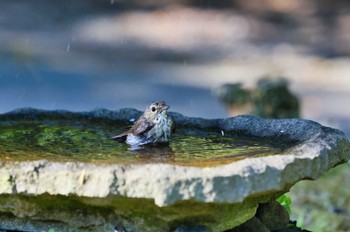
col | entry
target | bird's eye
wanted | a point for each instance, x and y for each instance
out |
(153, 109)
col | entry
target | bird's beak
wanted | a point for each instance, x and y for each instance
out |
(165, 108)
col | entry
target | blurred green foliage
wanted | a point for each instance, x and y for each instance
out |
(285, 201)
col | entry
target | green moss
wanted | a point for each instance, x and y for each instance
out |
(88, 141)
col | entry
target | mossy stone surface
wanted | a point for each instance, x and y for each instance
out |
(60, 168)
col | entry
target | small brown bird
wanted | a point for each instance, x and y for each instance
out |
(154, 126)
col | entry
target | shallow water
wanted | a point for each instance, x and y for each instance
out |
(86, 141)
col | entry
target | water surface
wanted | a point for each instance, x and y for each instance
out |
(86, 141)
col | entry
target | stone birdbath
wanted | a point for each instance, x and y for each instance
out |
(59, 170)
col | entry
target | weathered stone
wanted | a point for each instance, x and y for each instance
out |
(252, 225)
(164, 197)
(273, 215)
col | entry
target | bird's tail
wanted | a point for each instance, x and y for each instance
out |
(120, 137)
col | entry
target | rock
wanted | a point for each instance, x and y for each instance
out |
(183, 228)
(252, 225)
(273, 215)
(90, 196)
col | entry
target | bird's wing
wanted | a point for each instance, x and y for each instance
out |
(141, 126)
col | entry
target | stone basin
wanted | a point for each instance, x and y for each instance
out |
(67, 187)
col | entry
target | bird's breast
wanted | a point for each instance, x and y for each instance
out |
(159, 133)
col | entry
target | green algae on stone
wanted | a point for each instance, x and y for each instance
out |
(86, 141)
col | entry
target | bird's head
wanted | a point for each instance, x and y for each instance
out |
(154, 109)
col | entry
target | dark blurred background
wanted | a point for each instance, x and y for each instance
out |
(81, 55)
